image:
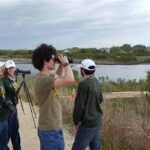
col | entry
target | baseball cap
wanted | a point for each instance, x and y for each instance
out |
(1, 64)
(10, 63)
(87, 64)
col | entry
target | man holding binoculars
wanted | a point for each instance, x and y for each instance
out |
(50, 111)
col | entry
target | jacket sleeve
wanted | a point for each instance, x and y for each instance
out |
(80, 102)
(101, 96)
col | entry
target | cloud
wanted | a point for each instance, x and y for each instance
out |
(69, 23)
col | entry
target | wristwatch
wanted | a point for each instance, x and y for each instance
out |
(66, 64)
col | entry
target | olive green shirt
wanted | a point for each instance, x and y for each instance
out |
(50, 110)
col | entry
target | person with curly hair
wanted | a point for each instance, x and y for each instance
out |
(46, 83)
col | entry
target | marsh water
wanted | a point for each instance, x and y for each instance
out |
(113, 72)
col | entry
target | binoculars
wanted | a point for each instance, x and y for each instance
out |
(69, 59)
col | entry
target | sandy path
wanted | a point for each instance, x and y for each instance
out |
(28, 133)
(127, 94)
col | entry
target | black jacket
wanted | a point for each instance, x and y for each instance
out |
(87, 108)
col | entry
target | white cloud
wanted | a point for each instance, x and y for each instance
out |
(73, 22)
(8, 2)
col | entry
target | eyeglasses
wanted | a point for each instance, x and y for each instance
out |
(53, 58)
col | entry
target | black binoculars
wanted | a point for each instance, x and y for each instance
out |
(69, 59)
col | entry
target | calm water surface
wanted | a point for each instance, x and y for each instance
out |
(113, 72)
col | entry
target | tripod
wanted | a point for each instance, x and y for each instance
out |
(26, 90)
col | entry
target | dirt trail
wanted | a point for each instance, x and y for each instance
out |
(127, 94)
(28, 133)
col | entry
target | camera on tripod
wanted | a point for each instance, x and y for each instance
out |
(23, 72)
(27, 92)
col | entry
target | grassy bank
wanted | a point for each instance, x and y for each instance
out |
(122, 85)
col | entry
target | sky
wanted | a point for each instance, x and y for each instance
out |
(25, 24)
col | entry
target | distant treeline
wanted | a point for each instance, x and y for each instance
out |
(125, 53)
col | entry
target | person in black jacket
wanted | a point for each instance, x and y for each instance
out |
(3, 113)
(10, 86)
(87, 111)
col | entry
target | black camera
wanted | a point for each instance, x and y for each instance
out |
(14, 99)
(9, 105)
(18, 71)
(69, 59)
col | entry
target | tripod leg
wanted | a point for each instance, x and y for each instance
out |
(30, 104)
(31, 109)
(21, 104)
(29, 98)
(26, 90)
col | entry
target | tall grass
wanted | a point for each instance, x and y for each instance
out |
(125, 123)
(122, 85)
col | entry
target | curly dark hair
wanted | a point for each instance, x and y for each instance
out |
(42, 53)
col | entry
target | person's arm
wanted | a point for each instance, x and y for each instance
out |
(68, 77)
(59, 71)
(80, 102)
(101, 96)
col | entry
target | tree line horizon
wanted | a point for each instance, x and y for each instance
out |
(125, 53)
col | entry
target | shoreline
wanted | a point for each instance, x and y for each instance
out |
(77, 61)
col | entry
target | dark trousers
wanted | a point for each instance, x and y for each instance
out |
(13, 131)
(3, 134)
(87, 137)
